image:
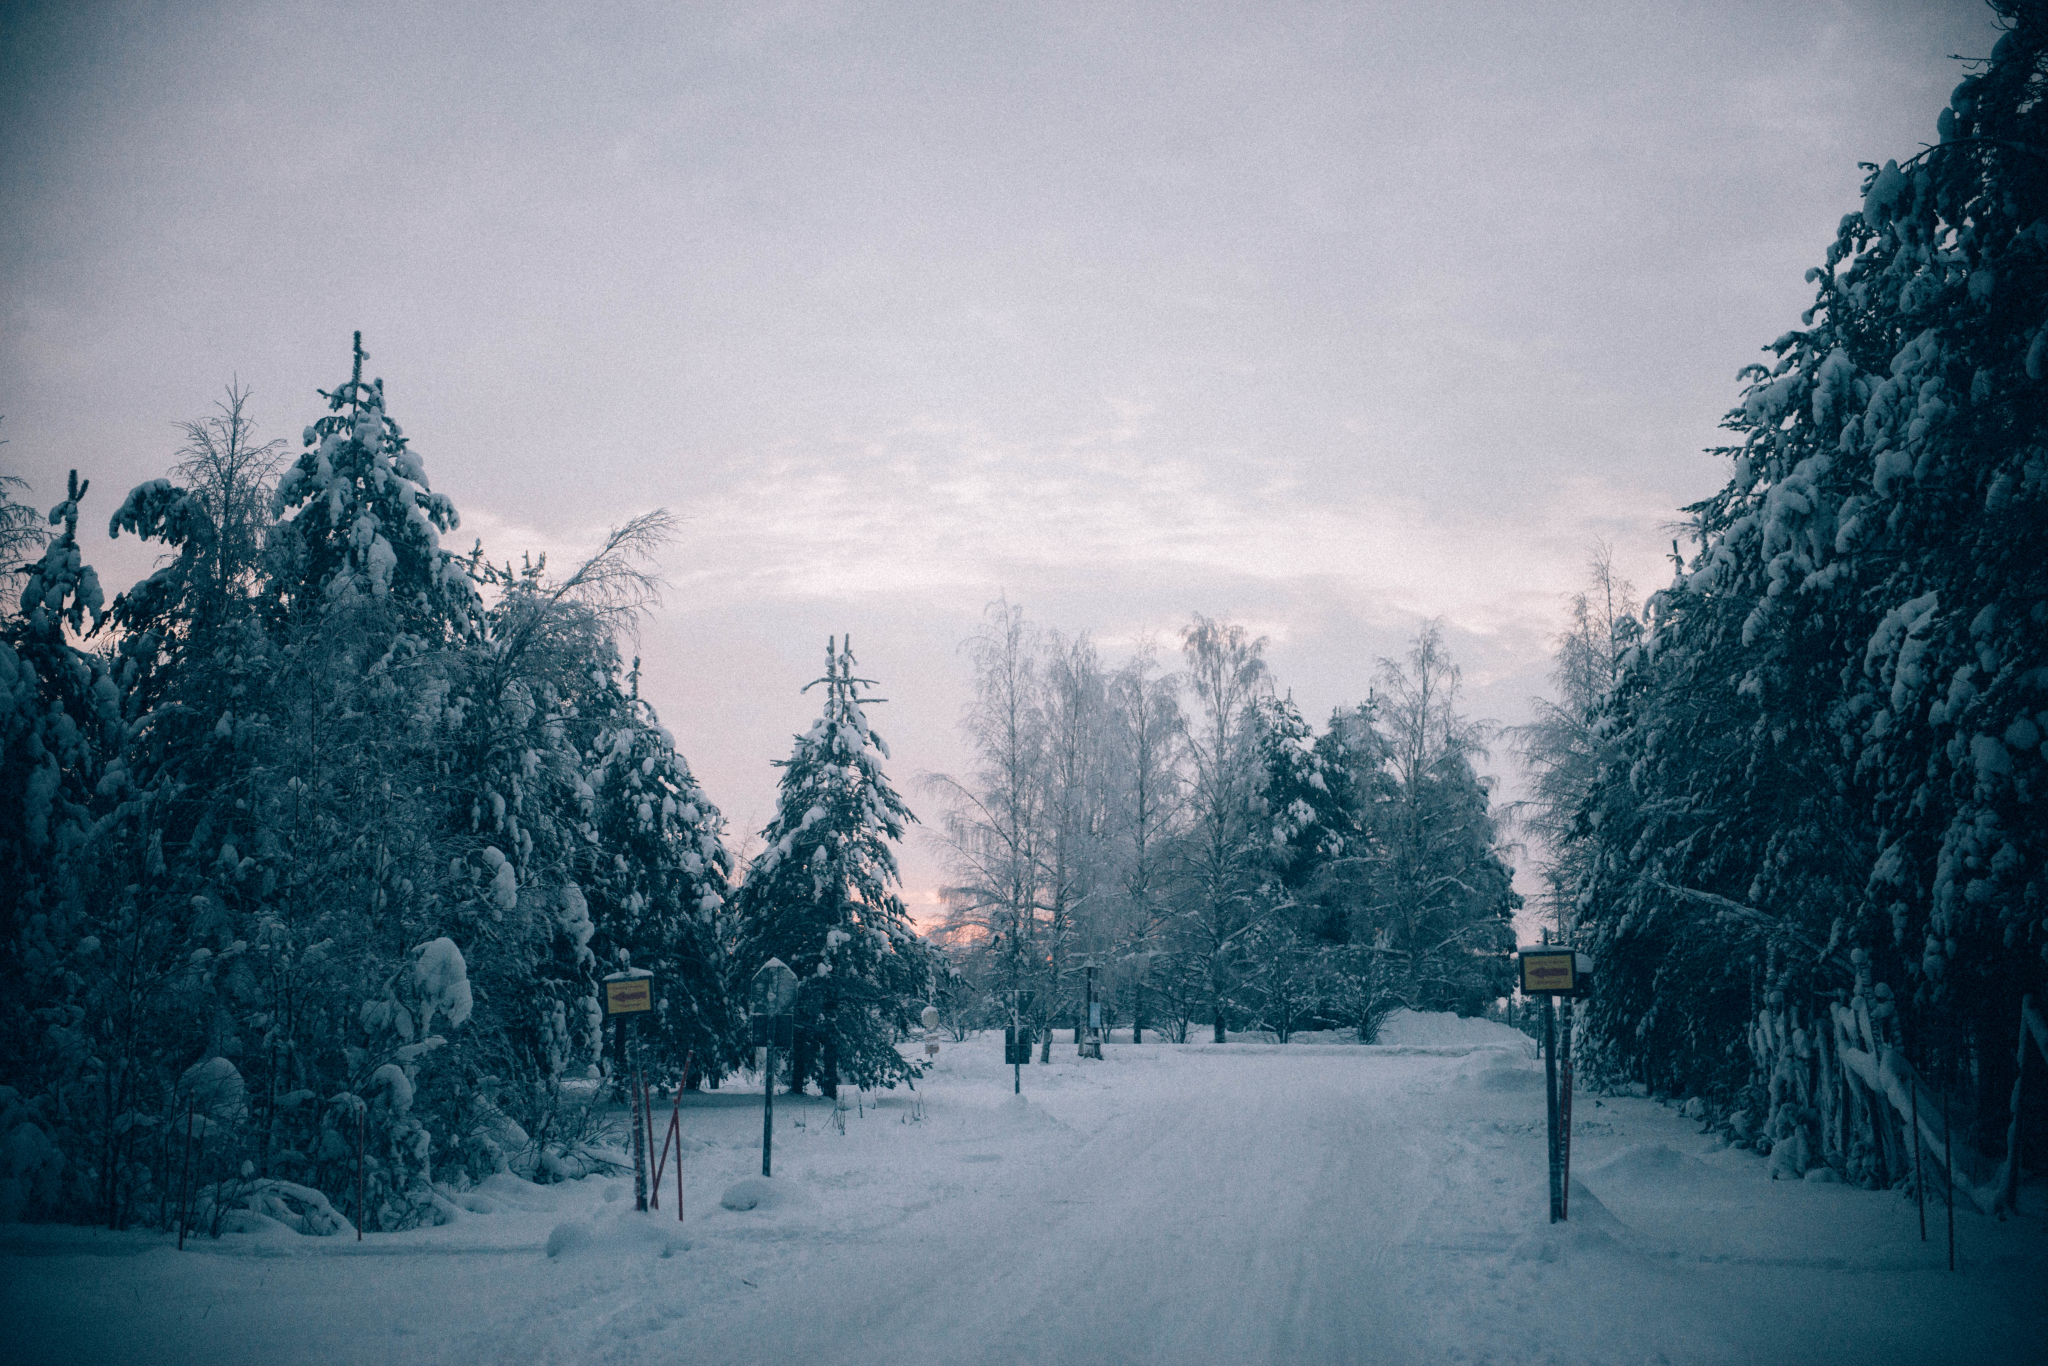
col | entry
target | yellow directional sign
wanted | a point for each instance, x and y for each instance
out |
(1549, 972)
(634, 993)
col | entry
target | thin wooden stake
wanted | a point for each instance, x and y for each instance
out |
(633, 1091)
(1948, 1158)
(185, 1180)
(673, 1136)
(647, 1120)
(1919, 1173)
(361, 1145)
(2012, 1133)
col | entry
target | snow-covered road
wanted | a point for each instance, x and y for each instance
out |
(1249, 1203)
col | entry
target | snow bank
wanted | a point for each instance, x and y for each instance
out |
(618, 1233)
(1441, 1028)
(1654, 1165)
(760, 1192)
(1592, 1230)
(1497, 1069)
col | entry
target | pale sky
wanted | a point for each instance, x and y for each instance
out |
(1327, 318)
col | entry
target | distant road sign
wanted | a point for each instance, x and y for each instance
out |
(1553, 971)
(628, 996)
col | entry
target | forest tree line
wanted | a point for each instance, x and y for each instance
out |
(1793, 804)
(1193, 840)
(320, 838)
(319, 841)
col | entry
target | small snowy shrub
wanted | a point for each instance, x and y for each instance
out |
(31, 1167)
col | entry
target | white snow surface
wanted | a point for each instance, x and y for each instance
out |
(1241, 1203)
(1437, 1028)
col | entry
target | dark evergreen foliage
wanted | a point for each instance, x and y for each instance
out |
(321, 851)
(1820, 774)
(821, 896)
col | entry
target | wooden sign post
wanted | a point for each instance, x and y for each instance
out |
(1553, 971)
(627, 996)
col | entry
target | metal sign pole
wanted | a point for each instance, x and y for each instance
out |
(1564, 1068)
(1550, 971)
(639, 1118)
(768, 1113)
(1550, 1098)
(774, 991)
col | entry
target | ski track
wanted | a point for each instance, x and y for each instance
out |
(1239, 1205)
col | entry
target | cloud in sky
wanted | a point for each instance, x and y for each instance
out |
(1332, 317)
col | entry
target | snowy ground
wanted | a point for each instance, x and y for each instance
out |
(1174, 1204)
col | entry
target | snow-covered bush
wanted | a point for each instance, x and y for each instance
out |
(31, 1167)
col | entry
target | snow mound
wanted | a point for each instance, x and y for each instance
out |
(1498, 1070)
(626, 1232)
(506, 1191)
(1591, 1229)
(759, 1192)
(1440, 1027)
(1652, 1164)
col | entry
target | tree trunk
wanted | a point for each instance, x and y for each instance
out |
(799, 1063)
(1216, 997)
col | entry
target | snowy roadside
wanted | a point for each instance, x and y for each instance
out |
(1184, 1203)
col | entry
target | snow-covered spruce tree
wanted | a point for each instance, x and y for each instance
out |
(1283, 956)
(821, 896)
(1829, 746)
(190, 655)
(658, 888)
(60, 724)
(1339, 898)
(323, 865)
(1307, 823)
(1441, 893)
(580, 837)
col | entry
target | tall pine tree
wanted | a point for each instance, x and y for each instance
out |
(822, 897)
